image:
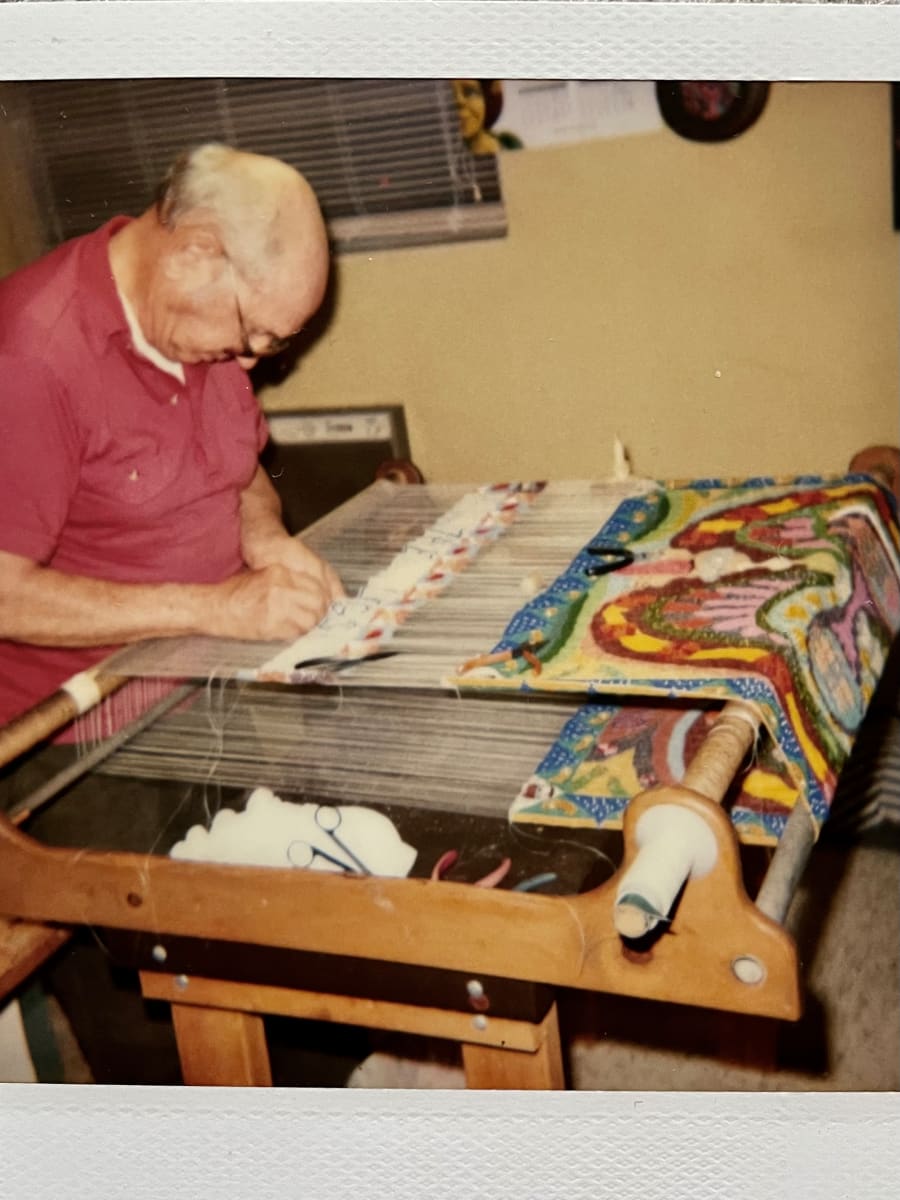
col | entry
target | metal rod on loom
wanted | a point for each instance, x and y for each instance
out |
(787, 865)
(794, 846)
(47, 791)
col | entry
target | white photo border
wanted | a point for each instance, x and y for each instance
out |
(571, 39)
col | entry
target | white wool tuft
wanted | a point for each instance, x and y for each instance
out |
(265, 832)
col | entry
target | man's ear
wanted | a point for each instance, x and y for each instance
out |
(197, 260)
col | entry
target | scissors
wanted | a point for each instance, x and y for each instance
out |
(304, 854)
(328, 820)
(334, 664)
(611, 558)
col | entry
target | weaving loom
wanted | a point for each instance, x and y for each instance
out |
(618, 734)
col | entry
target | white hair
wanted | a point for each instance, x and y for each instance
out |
(220, 182)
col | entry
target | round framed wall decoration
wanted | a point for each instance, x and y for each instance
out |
(705, 111)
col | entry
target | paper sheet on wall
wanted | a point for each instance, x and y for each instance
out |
(556, 112)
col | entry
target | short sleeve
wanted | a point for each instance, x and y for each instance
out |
(39, 458)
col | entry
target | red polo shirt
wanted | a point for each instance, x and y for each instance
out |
(109, 466)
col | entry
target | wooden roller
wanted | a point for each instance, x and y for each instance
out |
(714, 766)
(674, 842)
(76, 696)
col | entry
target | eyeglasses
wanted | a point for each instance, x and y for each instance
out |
(274, 344)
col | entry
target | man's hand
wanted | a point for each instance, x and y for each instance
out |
(46, 607)
(273, 604)
(290, 552)
(266, 543)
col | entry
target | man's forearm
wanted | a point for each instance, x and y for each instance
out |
(44, 607)
(284, 594)
(48, 608)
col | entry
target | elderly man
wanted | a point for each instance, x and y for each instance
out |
(132, 502)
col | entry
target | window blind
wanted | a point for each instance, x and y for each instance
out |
(385, 157)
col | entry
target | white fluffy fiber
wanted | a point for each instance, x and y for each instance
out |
(264, 832)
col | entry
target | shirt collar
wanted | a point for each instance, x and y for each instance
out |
(103, 313)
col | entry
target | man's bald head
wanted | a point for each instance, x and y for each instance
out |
(230, 261)
(265, 210)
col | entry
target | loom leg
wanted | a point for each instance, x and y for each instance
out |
(491, 1067)
(25, 946)
(220, 1047)
(750, 1042)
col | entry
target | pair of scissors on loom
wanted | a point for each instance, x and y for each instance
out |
(332, 664)
(328, 820)
(609, 558)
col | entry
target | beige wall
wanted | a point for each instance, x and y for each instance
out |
(726, 308)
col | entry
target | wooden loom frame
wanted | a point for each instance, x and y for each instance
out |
(561, 941)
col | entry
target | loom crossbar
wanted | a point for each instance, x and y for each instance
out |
(564, 941)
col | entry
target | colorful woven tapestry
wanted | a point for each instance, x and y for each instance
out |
(607, 754)
(785, 594)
